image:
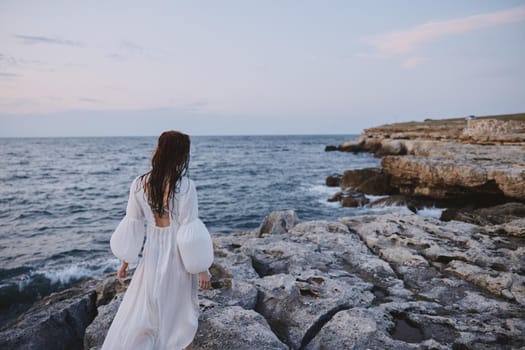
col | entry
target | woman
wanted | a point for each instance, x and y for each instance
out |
(160, 308)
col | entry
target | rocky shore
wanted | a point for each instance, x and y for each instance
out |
(390, 281)
(367, 282)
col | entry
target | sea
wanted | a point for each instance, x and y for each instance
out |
(61, 198)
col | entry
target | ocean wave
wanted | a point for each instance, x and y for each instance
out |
(19, 292)
(69, 274)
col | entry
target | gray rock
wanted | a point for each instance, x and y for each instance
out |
(358, 328)
(366, 282)
(278, 222)
(295, 304)
(97, 330)
(229, 289)
(234, 328)
(413, 243)
(513, 228)
(56, 322)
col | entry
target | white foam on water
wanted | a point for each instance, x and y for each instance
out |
(375, 198)
(78, 271)
(323, 189)
(323, 193)
(431, 212)
(70, 273)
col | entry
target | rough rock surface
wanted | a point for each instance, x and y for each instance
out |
(494, 130)
(453, 170)
(499, 129)
(368, 282)
(235, 328)
(96, 332)
(278, 222)
(55, 322)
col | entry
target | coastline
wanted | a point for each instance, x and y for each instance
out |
(373, 281)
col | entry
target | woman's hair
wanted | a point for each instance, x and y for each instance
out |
(169, 163)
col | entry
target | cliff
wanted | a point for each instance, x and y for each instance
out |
(451, 158)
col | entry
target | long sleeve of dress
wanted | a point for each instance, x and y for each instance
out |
(193, 238)
(128, 237)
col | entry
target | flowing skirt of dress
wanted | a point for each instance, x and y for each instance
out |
(160, 307)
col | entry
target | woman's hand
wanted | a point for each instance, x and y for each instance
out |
(204, 280)
(122, 272)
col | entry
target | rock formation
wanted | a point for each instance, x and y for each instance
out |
(56, 322)
(481, 159)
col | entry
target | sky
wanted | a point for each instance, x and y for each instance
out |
(130, 68)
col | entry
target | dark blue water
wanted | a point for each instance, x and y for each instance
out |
(61, 198)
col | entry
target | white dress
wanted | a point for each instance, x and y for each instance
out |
(160, 308)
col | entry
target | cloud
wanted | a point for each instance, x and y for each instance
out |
(8, 60)
(407, 41)
(125, 50)
(131, 46)
(9, 75)
(36, 39)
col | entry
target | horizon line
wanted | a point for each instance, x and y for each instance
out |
(191, 135)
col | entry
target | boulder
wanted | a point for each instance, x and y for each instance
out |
(234, 328)
(333, 180)
(369, 180)
(97, 330)
(336, 197)
(278, 222)
(351, 198)
(56, 322)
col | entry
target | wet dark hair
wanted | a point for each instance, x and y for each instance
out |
(168, 165)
